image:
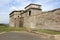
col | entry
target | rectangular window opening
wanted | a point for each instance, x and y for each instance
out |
(29, 13)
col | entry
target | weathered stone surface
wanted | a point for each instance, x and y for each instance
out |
(57, 37)
(36, 18)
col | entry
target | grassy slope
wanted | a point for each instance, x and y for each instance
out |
(48, 31)
(7, 29)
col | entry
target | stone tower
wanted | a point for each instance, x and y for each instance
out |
(31, 12)
(15, 18)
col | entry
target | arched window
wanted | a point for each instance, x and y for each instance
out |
(29, 13)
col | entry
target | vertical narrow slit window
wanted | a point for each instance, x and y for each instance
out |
(29, 13)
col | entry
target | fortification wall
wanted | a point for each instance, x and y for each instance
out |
(47, 20)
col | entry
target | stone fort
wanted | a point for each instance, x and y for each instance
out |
(34, 17)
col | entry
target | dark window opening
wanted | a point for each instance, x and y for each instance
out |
(15, 18)
(18, 16)
(29, 13)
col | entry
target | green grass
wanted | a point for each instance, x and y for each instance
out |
(48, 31)
(7, 29)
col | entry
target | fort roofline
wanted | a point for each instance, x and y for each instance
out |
(54, 10)
(31, 8)
(51, 10)
(32, 4)
(15, 11)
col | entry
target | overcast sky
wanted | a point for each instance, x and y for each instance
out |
(7, 6)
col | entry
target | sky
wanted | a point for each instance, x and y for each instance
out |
(7, 6)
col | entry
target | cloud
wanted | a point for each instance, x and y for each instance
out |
(23, 3)
(14, 8)
(48, 4)
(19, 4)
(4, 2)
(4, 17)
